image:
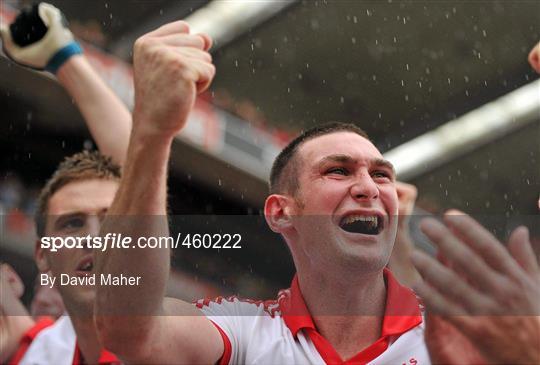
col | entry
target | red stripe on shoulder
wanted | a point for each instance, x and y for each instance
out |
(270, 306)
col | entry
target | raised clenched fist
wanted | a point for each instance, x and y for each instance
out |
(171, 67)
(11, 287)
(407, 194)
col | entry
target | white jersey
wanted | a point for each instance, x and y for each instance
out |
(282, 331)
(57, 345)
(53, 345)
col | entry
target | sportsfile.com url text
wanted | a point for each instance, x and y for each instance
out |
(117, 240)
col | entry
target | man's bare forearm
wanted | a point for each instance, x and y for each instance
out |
(170, 67)
(106, 116)
(139, 209)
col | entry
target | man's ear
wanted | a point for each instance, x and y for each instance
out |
(278, 211)
(40, 256)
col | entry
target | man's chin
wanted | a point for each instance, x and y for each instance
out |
(82, 299)
(366, 255)
(364, 259)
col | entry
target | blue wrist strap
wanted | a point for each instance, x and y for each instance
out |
(62, 56)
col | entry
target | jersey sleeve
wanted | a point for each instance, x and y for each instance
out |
(235, 320)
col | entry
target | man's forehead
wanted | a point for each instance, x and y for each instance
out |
(85, 195)
(338, 143)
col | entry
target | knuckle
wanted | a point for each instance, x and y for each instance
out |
(183, 23)
(140, 43)
(197, 41)
(179, 63)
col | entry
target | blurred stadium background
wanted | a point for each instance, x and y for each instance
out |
(442, 87)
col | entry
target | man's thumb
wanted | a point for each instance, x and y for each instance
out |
(49, 14)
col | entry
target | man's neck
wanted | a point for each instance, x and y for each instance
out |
(347, 311)
(87, 337)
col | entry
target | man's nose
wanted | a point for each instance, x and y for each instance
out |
(93, 227)
(364, 188)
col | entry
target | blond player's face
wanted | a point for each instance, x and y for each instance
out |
(76, 209)
(347, 202)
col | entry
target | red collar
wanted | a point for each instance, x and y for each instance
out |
(106, 358)
(402, 313)
(29, 336)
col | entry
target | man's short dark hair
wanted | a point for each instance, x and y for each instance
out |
(84, 165)
(282, 176)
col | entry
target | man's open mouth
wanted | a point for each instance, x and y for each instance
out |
(86, 266)
(364, 224)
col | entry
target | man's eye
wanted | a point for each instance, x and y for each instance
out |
(73, 223)
(381, 174)
(338, 171)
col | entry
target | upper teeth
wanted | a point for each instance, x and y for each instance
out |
(86, 266)
(365, 218)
